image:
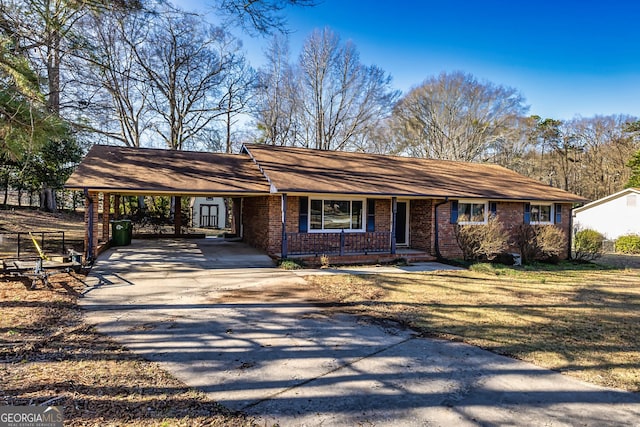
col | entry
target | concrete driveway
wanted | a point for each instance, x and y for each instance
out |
(251, 340)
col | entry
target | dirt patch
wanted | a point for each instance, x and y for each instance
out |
(48, 355)
(281, 291)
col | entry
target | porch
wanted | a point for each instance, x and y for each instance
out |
(349, 248)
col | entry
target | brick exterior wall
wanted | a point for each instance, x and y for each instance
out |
(383, 215)
(421, 224)
(511, 215)
(293, 213)
(261, 223)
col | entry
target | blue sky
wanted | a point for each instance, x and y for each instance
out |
(568, 58)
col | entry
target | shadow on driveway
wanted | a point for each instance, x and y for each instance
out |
(251, 339)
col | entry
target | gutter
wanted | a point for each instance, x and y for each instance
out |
(437, 238)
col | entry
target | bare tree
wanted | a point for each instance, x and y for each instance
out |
(261, 16)
(341, 99)
(112, 92)
(238, 89)
(607, 148)
(456, 117)
(184, 61)
(276, 93)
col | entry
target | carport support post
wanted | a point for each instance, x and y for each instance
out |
(394, 214)
(177, 215)
(284, 226)
(91, 225)
(116, 206)
(106, 210)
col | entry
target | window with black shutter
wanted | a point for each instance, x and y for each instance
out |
(371, 215)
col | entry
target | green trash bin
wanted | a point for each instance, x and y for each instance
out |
(121, 231)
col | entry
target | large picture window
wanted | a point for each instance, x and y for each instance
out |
(336, 214)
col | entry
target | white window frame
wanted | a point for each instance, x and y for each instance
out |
(363, 218)
(475, 202)
(551, 213)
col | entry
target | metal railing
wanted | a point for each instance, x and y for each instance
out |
(338, 243)
(209, 221)
(21, 242)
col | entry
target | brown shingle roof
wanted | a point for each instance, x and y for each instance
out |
(297, 170)
(153, 171)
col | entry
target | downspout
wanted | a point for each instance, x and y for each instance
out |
(283, 207)
(437, 238)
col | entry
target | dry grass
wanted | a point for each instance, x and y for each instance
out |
(14, 220)
(25, 219)
(47, 354)
(582, 320)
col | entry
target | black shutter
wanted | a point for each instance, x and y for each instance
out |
(454, 212)
(303, 216)
(527, 213)
(371, 215)
(558, 212)
(493, 208)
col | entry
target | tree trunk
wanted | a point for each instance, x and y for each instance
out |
(48, 200)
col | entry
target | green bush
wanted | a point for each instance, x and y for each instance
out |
(288, 264)
(587, 245)
(629, 244)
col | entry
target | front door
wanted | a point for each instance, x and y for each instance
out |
(402, 223)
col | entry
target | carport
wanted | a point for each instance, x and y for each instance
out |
(107, 173)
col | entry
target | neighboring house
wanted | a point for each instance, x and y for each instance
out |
(208, 212)
(613, 216)
(302, 202)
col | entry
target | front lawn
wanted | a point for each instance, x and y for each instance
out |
(580, 319)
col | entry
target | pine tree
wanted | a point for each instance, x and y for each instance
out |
(634, 164)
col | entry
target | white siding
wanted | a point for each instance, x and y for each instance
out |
(613, 218)
(207, 206)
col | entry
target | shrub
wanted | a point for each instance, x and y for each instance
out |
(551, 242)
(288, 264)
(481, 242)
(526, 241)
(324, 261)
(540, 243)
(587, 245)
(629, 244)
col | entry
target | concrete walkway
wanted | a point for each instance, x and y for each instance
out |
(249, 338)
